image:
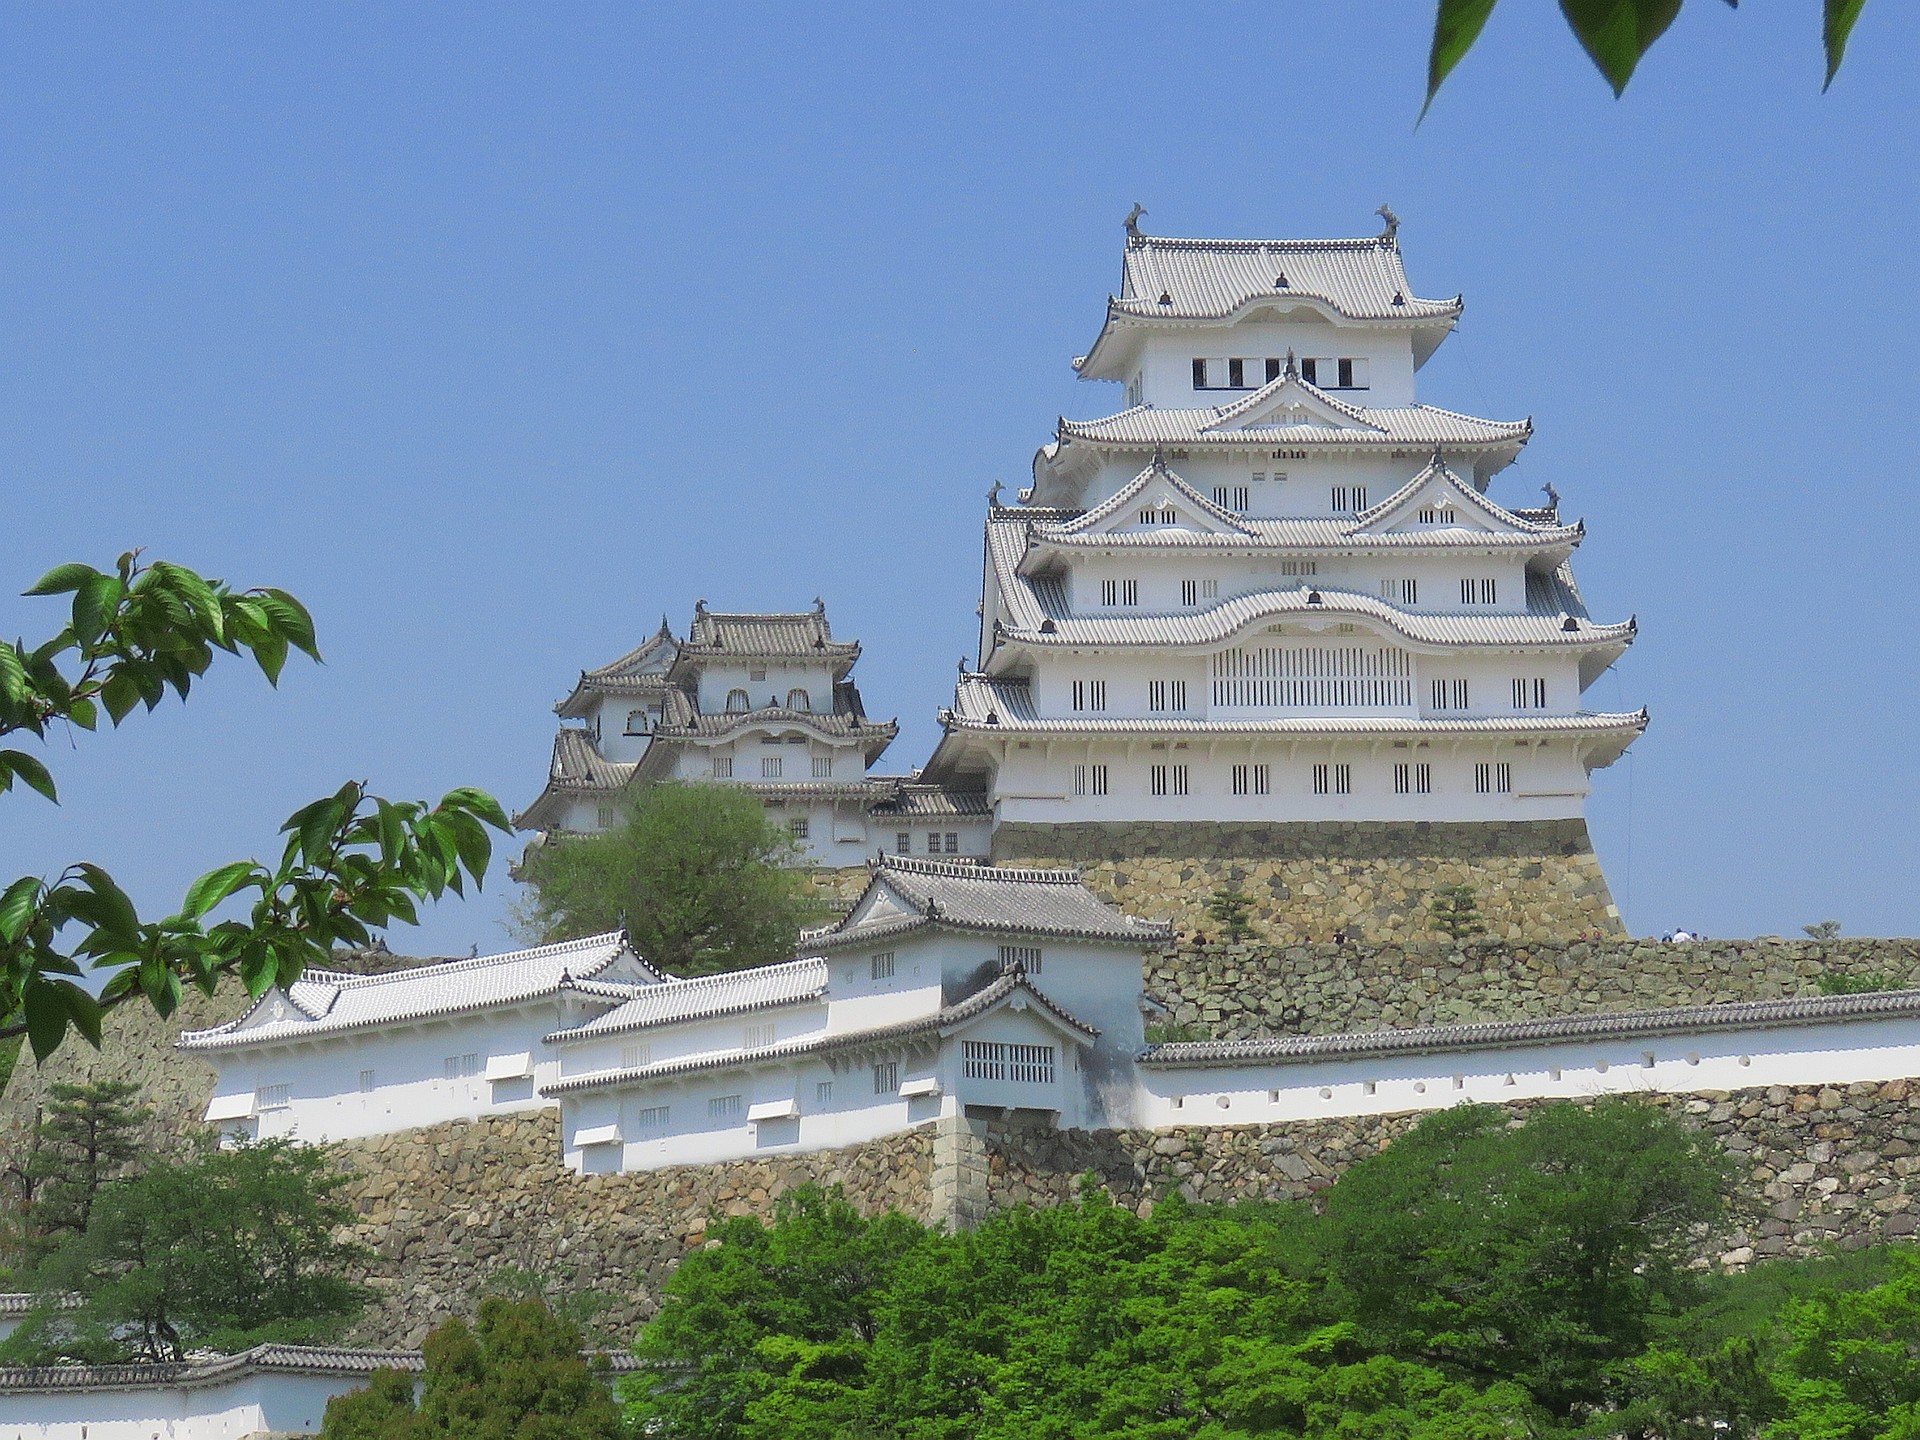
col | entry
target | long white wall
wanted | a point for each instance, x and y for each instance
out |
(250, 1405)
(1830, 1053)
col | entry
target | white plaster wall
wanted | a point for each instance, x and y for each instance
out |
(410, 1084)
(1036, 784)
(1833, 1053)
(1306, 490)
(1166, 362)
(251, 1405)
(717, 678)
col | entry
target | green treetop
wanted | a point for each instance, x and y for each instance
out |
(697, 875)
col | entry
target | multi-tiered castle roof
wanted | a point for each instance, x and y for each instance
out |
(1277, 549)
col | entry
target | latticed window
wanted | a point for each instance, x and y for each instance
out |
(1348, 499)
(1119, 592)
(770, 767)
(1192, 592)
(1166, 695)
(1449, 695)
(275, 1097)
(1529, 693)
(1252, 780)
(996, 1060)
(883, 965)
(823, 767)
(1493, 779)
(886, 1078)
(723, 767)
(650, 1119)
(1027, 957)
(724, 1107)
(1237, 498)
(1479, 591)
(1089, 694)
(759, 1035)
(1333, 779)
(1312, 676)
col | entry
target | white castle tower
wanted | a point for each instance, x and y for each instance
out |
(1273, 587)
(763, 701)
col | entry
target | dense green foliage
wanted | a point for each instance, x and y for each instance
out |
(86, 1136)
(1616, 34)
(1477, 1280)
(1229, 907)
(352, 862)
(1454, 911)
(222, 1250)
(518, 1375)
(697, 875)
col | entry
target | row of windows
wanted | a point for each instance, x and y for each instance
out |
(938, 842)
(1000, 1060)
(1475, 590)
(1312, 677)
(1333, 777)
(738, 703)
(773, 767)
(1240, 372)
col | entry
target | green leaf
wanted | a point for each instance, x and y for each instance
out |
(112, 910)
(84, 713)
(1838, 29)
(290, 619)
(17, 905)
(1456, 25)
(1616, 33)
(29, 770)
(61, 579)
(120, 694)
(93, 606)
(46, 1016)
(480, 803)
(83, 1010)
(13, 675)
(215, 886)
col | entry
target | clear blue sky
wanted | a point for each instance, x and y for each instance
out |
(493, 332)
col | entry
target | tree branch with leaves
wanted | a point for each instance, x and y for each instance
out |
(1616, 34)
(352, 862)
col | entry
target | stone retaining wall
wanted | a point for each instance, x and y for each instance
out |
(1244, 991)
(1534, 880)
(1826, 1165)
(447, 1206)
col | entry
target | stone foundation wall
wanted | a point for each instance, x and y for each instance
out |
(1825, 1166)
(446, 1207)
(1535, 880)
(1244, 991)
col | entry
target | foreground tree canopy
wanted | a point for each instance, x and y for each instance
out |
(1477, 1280)
(224, 1249)
(697, 875)
(517, 1375)
(352, 862)
(1616, 34)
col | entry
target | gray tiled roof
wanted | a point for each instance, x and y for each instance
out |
(1441, 629)
(779, 636)
(577, 769)
(912, 800)
(641, 671)
(325, 1003)
(706, 996)
(984, 702)
(222, 1369)
(1209, 279)
(994, 899)
(1680, 1020)
(935, 1022)
(1227, 531)
(1371, 427)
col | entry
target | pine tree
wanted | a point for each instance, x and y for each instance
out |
(85, 1137)
(1229, 906)
(1455, 913)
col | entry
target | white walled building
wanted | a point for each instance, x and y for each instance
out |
(763, 701)
(1822, 1040)
(1274, 587)
(335, 1056)
(946, 987)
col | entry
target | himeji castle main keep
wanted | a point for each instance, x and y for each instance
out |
(1265, 627)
